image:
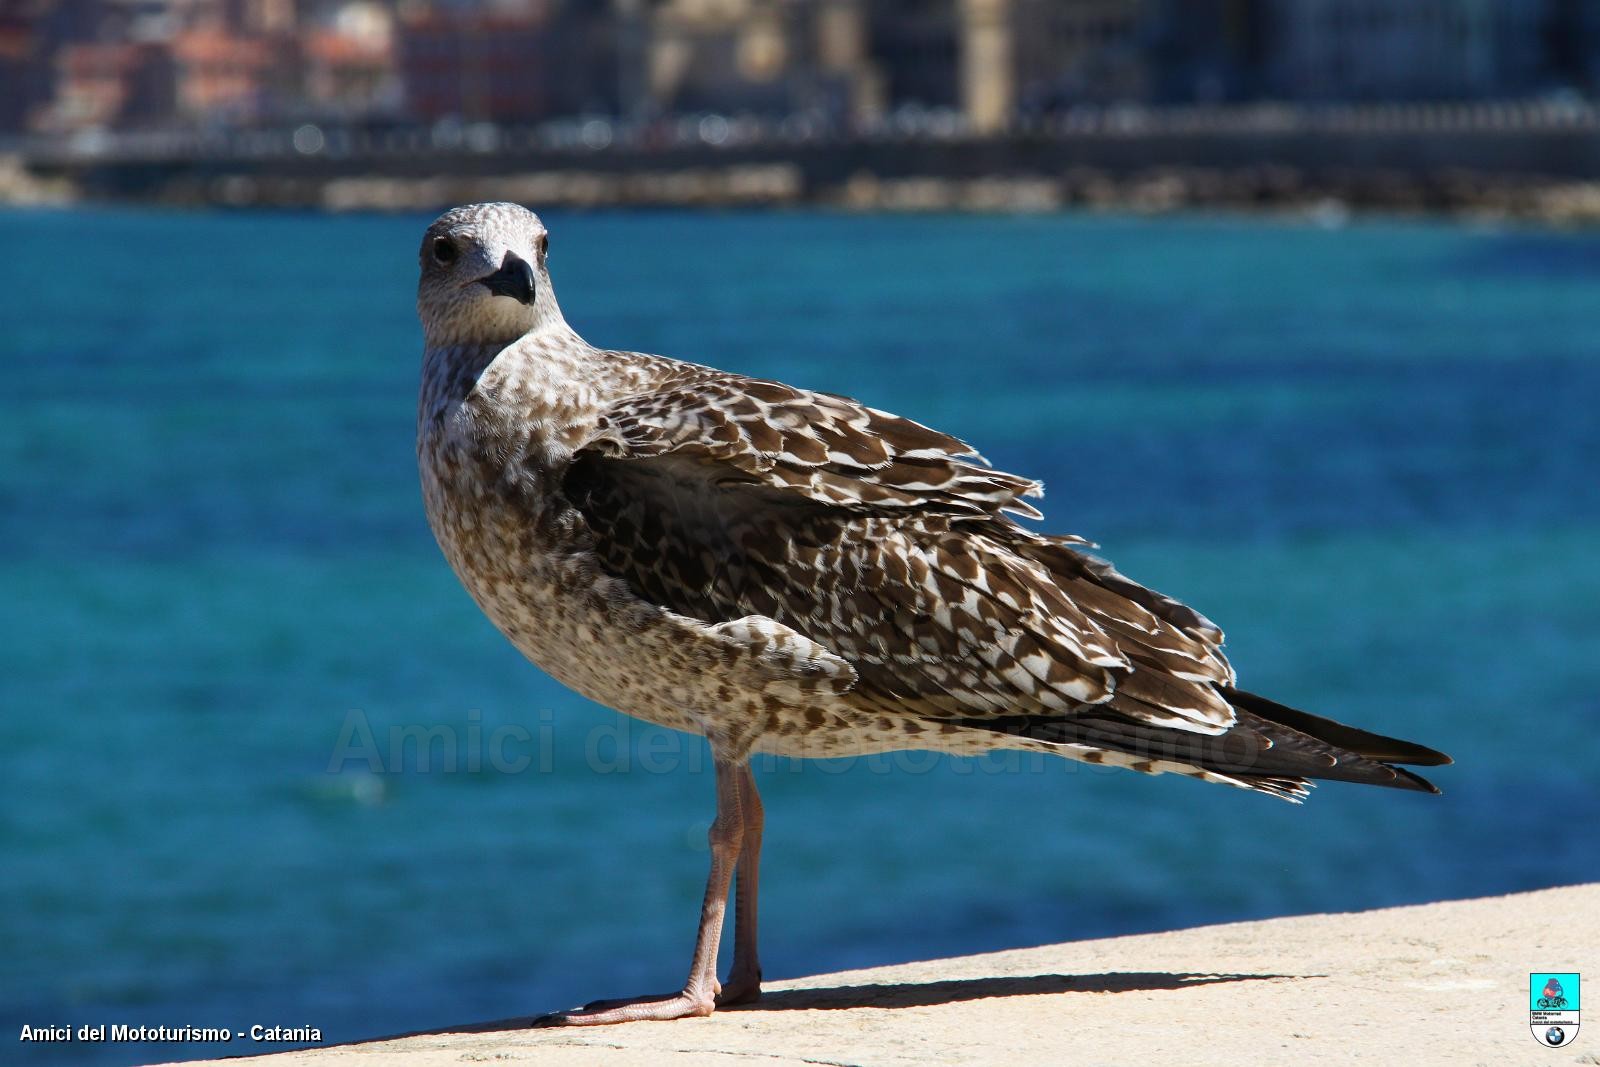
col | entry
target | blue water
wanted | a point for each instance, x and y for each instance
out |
(1369, 453)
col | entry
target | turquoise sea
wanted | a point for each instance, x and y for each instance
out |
(1370, 453)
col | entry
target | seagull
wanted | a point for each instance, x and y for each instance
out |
(791, 572)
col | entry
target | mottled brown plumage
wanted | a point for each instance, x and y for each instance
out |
(793, 572)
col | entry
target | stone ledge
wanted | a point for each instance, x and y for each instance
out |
(1436, 983)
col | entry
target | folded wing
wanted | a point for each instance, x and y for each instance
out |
(894, 546)
(891, 543)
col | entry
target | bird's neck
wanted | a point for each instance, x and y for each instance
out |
(545, 373)
(449, 373)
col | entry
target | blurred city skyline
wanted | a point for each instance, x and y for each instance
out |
(981, 66)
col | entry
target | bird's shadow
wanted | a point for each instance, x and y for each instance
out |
(950, 991)
(894, 995)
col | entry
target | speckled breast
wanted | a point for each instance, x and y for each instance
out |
(516, 555)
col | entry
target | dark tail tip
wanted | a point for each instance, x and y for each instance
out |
(1378, 752)
(1405, 779)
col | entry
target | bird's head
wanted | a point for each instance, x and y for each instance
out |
(483, 276)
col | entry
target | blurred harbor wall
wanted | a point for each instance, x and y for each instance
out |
(1527, 160)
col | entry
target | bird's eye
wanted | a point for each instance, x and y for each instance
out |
(544, 244)
(444, 251)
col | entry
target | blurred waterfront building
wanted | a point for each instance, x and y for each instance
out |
(25, 81)
(1208, 51)
(1572, 44)
(988, 64)
(1083, 51)
(845, 64)
(348, 63)
(222, 76)
(839, 65)
(262, 17)
(108, 84)
(512, 61)
(722, 55)
(915, 46)
(1408, 49)
(775, 57)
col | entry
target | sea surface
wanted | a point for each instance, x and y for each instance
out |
(1369, 452)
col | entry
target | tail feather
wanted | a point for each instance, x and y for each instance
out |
(1361, 742)
(1271, 747)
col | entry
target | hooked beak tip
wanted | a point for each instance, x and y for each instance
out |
(515, 279)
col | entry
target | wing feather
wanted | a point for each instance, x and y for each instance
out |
(890, 544)
(827, 448)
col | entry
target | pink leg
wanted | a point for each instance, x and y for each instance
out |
(699, 992)
(744, 978)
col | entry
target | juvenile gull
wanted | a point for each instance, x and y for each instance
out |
(792, 572)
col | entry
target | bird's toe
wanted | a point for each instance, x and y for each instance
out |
(684, 1005)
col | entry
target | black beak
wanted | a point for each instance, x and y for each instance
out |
(513, 279)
